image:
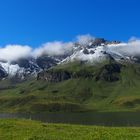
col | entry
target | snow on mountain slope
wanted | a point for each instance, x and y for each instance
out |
(26, 67)
(85, 54)
(96, 51)
(93, 51)
(10, 68)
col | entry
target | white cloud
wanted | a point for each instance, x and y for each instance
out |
(53, 48)
(84, 39)
(131, 48)
(133, 38)
(14, 52)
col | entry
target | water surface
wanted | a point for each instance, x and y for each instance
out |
(90, 118)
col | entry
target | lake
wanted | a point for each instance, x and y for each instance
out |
(88, 118)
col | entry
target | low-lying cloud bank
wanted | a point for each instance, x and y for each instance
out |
(131, 48)
(84, 39)
(53, 48)
(14, 52)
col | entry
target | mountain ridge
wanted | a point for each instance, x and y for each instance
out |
(108, 81)
(90, 51)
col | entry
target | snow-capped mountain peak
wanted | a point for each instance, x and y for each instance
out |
(92, 51)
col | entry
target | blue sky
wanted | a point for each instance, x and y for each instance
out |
(34, 22)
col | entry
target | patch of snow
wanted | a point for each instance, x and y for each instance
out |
(11, 69)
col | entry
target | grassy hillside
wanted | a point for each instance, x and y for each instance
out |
(31, 130)
(80, 93)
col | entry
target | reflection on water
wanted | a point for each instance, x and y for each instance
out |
(90, 118)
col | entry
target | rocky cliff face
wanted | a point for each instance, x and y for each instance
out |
(26, 67)
(54, 76)
(3, 73)
(109, 72)
(93, 51)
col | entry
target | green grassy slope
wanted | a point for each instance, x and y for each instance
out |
(31, 130)
(75, 94)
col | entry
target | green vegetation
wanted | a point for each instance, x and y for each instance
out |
(31, 130)
(92, 88)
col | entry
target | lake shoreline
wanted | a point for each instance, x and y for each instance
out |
(117, 119)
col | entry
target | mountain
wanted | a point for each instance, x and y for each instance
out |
(92, 51)
(95, 76)
(27, 67)
(95, 51)
(76, 87)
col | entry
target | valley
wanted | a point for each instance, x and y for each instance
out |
(75, 87)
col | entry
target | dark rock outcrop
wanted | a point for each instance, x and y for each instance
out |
(61, 75)
(54, 76)
(29, 64)
(46, 62)
(98, 41)
(85, 51)
(3, 73)
(109, 72)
